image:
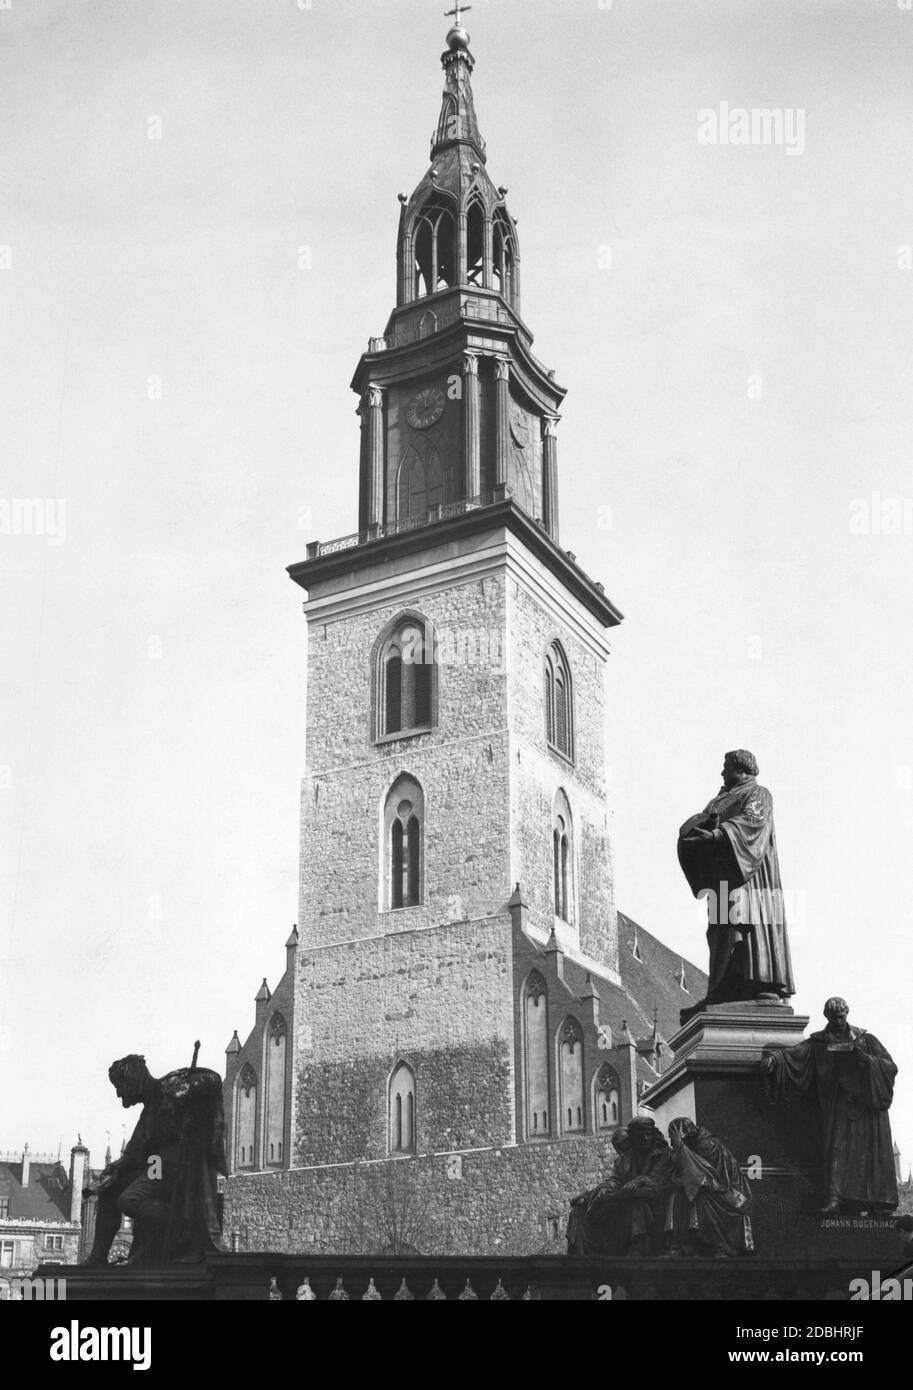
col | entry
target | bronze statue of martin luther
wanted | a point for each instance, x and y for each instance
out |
(728, 854)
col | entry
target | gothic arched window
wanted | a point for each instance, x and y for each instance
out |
(401, 1123)
(405, 678)
(570, 1073)
(434, 240)
(535, 1055)
(505, 260)
(276, 1043)
(607, 1098)
(404, 868)
(563, 858)
(245, 1117)
(559, 702)
(475, 241)
(421, 483)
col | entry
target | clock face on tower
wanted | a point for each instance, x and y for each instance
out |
(426, 408)
(519, 427)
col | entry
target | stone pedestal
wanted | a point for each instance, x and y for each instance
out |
(715, 1079)
(551, 1278)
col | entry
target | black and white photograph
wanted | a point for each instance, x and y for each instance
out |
(456, 756)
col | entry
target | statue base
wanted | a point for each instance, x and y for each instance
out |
(715, 1079)
(246, 1277)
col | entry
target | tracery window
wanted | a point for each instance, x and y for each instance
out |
(536, 1055)
(276, 1043)
(570, 1056)
(475, 241)
(245, 1117)
(504, 267)
(563, 859)
(404, 815)
(401, 1120)
(434, 240)
(559, 704)
(405, 677)
(607, 1098)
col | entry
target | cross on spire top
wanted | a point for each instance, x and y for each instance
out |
(457, 12)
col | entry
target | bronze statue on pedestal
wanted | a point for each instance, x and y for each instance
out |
(728, 854)
(166, 1178)
(852, 1076)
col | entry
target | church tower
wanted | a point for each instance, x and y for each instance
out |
(453, 403)
(453, 992)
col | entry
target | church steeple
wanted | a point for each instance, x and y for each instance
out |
(458, 122)
(455, 229)
(456, 412)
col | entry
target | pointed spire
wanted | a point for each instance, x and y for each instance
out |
(555, 954)
(108, 1155)
(458, 124)
(293, 938)
(234, 1046)
(590, 1000)
(624, 1038)
(518, 908)
(263, 993)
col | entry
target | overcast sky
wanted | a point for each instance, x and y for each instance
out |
(733, 323)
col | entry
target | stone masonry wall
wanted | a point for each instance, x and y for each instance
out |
(539, 772)
(461, 765)
(509, 1201)
(439, 999)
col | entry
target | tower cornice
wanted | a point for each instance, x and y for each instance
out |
(340, 558)
(501, 339)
